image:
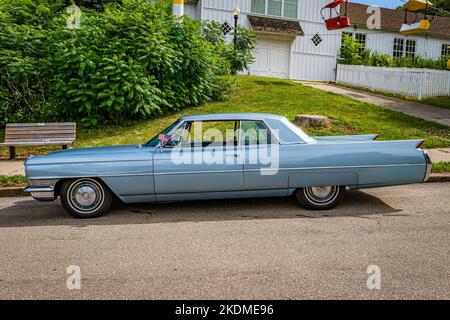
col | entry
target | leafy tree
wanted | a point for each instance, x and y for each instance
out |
(443, 5)
(239, 57)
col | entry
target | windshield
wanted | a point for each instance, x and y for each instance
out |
(155, 140)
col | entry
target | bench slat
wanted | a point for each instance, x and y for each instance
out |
(36, 134)
(35, 143)
(46, 124)
(39, 139)
(43, 129)
(40, 132)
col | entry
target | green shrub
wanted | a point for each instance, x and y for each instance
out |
(237, 57)
(352, 53)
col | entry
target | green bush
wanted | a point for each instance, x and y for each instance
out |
(352, 53)
(130, 59)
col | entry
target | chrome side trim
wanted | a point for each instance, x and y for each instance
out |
(429, 165)
(225, 171)
(287, 169)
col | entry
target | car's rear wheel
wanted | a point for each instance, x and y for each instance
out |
(320, 198)
(85, 198)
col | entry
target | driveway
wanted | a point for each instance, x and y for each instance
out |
(258, 248)
(418, 110)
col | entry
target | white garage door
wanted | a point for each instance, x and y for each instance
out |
(271, 58)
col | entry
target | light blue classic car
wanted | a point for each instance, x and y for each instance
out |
(225, 156)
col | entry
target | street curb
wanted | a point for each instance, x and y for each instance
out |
(18, 191)
(439, 177)
(13, 192)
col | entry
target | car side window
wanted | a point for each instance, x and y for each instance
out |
(255, 133)
(205, 134)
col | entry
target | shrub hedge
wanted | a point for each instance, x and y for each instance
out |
(353, 53)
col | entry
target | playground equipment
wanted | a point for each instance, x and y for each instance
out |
(337, 22)
(418, 7)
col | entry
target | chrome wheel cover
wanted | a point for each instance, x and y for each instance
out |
(85, 196)
(321, 195)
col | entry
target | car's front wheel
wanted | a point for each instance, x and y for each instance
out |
(320, 198)
(85, 198)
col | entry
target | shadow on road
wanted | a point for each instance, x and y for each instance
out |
(25, 212)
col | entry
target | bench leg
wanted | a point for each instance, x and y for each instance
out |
(12, 152)
(64, 146)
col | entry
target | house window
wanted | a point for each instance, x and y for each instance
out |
(276, 8)
(361, 38)
(404, 48)
(226, 28)
(410, 48)
(445, 49)
(290, 8)
(259, 6)
(398, 47)
(316, 39)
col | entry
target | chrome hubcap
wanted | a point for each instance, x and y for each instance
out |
(321, 195)
(86, 195)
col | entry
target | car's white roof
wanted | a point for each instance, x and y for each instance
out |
(231, 116)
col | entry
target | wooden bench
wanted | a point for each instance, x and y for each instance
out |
(38, 134)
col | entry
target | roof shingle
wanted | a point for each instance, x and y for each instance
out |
(392, 20)
(275, 25)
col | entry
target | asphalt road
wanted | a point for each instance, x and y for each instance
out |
(239, 249)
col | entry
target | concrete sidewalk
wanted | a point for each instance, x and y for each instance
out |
(15, 167)
(427, 112)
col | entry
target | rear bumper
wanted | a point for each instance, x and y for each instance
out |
(41, 193)
(428, 167)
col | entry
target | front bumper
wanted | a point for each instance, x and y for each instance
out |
(42, 190)
(41, 193)
(429, 165)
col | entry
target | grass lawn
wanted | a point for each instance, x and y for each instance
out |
(441, 167)
(255, 94)
(441, 102)
(13, 181)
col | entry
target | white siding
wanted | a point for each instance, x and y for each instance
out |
(191, 11)
(312, 62)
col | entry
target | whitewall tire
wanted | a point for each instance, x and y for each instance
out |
(85, 198)
(320, 198)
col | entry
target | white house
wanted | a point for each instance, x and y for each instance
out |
(293, 43)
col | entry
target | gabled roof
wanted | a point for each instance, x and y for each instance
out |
(275, 25)
(392, 20)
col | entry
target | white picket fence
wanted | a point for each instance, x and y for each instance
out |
(419, 83)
